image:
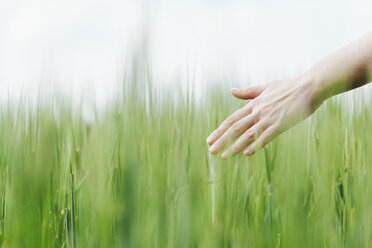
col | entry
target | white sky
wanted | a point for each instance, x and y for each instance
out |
(83, 45)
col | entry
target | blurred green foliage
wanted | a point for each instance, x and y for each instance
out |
(139, 175)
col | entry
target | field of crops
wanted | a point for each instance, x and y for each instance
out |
(138, 174)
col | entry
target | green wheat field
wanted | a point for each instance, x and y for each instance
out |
(138, 174)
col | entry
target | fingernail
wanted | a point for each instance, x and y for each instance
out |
(213, 149)
(209, 139)
(224, 155)
(248, 152)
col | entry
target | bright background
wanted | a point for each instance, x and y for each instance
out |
(83, 46)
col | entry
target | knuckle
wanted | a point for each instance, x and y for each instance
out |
(250, 135)
(258, 131)
(266, 136)
(261, 110)
(255, 118)
(230, 120)
(271, 132)
(257, 112)
(265, 139)
(247, 109)
(237, 127)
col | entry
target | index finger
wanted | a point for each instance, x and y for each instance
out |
(226, 124)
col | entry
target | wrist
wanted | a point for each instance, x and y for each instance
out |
(314, 88)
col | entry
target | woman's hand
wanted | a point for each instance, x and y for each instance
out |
(279, 105)
(275, 107)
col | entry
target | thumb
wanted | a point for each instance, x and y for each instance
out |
(248, 93)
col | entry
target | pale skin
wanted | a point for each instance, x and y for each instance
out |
(279, 105)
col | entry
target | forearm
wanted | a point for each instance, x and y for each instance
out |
(347, 68)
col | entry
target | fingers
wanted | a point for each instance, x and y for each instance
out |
(269, 134)
(237, 129)
(246, 139)
(248, 93)
(226, 124)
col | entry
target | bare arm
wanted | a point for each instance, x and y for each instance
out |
(279, 105)
(344, 70)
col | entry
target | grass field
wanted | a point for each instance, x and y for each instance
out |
(139, 175)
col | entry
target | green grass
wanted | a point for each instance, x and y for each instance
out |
(139, 175)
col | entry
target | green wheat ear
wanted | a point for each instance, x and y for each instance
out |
(2, 218)
(268, 165)
(72, 216)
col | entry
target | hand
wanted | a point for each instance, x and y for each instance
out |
(275, 107)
